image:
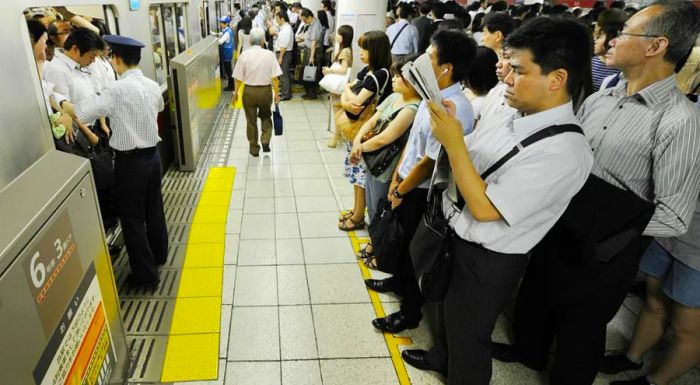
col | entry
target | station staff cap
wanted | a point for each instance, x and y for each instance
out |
(123, 41)
(225, 19)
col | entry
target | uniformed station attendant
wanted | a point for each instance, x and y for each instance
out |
(132, 103)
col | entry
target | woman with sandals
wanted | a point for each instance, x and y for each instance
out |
(394, 117)
(372, 84)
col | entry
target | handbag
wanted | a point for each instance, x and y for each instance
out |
(379, 160)
(277, 121)
(309, 74)
(350, 127)
(431, 248)
(386, 234)
(334, 83)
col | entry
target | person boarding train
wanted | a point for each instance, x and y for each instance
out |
(132, 103)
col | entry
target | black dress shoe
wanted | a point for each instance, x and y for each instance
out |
(617, 363)
(395, 323)
(380, 285)
(419, 360)
(508, 353)
(266, 147)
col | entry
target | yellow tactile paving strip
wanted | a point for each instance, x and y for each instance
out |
(193, 344)
(392, 341)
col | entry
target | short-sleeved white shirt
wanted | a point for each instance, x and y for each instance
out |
(257, 67)
(532, 189)
(70, 79)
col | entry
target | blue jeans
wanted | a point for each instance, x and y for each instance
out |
(374, 191)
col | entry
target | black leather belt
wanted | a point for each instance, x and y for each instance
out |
(137, 151)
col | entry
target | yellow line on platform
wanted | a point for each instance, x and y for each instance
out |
(193, 344)
(392, 341)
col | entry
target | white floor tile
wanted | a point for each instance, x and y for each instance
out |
(301, 372)
(328, 250)
(258, 226)
(233, 222)
(225, 328)
(320, 225)
(236, 202)
(368, 371)
(316, 204)
(253, 252)
(289, 252)
(337, 283)
(281, 171)
(297, 337)
(259, 206)
(308, 171)
(283, 188)
(259, 189)
(255, 286)
(293, 289)
(312, 187)
(345, 331)
(253, 373)
(284, 205)
(286, 226)
(231, 249)
(302, 145)
(228, 285)
(254, 335)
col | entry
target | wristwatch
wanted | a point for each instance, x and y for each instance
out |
(396, 193)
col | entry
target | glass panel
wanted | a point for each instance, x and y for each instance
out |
(218, 14)
(154, 17)
(170, 32)
(181, 23)
(111, 20)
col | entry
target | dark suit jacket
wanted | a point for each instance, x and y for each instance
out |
(423, 24)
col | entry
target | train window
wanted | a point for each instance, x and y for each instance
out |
(204, 18)
(181, 24)
(159, 58)
(111, 19)
(217, 9)
(170, 31)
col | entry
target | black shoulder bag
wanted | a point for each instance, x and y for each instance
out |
(378, 161)
(431, 248)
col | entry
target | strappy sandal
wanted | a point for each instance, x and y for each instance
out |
(345, 214)
(363, 253)
(355, 225)
(371, 262)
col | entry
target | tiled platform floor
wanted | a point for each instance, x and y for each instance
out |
(295, 310)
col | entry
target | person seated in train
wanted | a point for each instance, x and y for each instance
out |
(497, 218)
(133, 103)
(258, 70)
(395, 114)
(645, 135)
(451, 53)
(373, 84)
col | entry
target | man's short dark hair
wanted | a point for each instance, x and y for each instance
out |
(482, 75)
(283, 15)
(619, 4)
(36, 30)
(499, 21)
(85, 39)
(679, 22)
(305, 12)
(424, 8)
(438, 10)
(556, 43)
(404, 10)
(499, 6)
(131, 56)
(457, 48)
(611, 16)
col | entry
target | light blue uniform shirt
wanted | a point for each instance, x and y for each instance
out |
(407, 42)
(421, 141)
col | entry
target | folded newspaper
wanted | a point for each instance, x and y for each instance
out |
(421, 75)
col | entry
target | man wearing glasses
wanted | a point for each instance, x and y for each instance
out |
(645, 137)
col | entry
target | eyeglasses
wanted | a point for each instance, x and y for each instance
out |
(619, 34)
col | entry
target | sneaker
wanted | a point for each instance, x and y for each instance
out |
(637, 381)
(266, 147)
(617, 363)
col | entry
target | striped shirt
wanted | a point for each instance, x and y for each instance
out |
(600, 72)
(649, 144)
(132, 104)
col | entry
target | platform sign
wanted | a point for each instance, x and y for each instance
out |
(52, 268)
(80, 351)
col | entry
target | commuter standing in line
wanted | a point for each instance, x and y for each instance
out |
(423, 25)
(258, 69)
(226, 48)
(313, 45)
(132, 104)
(645, 135)
(284, 45)
(403, 36)
(504, 214)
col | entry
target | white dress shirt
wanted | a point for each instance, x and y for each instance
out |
(532, 189)
(495, 103)
(103, 73)
(70, 79)
(257, 67)
(132, 104)
(407, 41)
(285, 38)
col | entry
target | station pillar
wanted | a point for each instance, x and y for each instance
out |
(362, 16)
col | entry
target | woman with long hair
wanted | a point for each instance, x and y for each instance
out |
(342, 62)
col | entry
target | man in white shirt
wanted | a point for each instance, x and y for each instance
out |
(506, 211)
(284, 44)
(495, 105)
(403, 36)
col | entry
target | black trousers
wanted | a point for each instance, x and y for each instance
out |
(286, 79)
(481, 284)
(410, 213)
(579, 325)
(140, 205)
(228, 71)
